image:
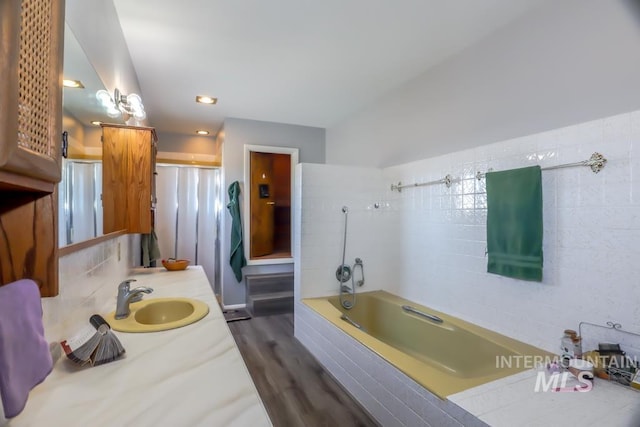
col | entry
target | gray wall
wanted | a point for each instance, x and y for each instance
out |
(193, 144)
(568, 62)
(236, 133)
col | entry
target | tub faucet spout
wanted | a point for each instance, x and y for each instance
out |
(127, 296)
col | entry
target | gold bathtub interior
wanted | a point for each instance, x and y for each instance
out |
(445, 358)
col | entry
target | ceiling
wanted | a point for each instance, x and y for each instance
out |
(291, 61)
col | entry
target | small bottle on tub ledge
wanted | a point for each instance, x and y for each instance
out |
(571, 346)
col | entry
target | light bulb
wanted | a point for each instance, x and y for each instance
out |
(139, 114)
(202, 99)
(104, 98)
(134, 101)
(112, 111)
(72, 83)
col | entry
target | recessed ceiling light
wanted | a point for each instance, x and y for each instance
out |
(202, 132)
(96, 122)
(202, 99)
(72, 83)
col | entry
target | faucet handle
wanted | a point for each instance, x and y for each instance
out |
(124, 285)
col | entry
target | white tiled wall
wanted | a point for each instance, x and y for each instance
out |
(86, 278)
(591, 237)
(318, 240)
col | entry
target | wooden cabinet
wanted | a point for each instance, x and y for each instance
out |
(31, 46)
(31, 50)
(128, 178)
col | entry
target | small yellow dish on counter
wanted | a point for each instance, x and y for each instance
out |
(159, 314)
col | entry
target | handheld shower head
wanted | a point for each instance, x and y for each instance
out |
(345, 209)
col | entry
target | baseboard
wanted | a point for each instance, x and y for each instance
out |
(233, 306)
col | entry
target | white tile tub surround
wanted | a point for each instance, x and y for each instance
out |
(590, 243)
(86, 279)
(321, 192)
(428, 245)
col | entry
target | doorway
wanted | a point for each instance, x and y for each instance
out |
(268, 173)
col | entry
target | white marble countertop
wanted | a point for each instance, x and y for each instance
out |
(191, 376)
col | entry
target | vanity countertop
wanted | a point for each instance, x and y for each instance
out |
(190, 376)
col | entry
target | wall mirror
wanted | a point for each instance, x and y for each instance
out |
(80, 210)
(268, 191)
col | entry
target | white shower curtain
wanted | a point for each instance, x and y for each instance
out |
(187, 215)
(80, 208)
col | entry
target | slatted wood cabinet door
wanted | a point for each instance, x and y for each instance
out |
(31, 56)
(128, 168)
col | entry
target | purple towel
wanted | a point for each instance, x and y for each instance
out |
(25, 360)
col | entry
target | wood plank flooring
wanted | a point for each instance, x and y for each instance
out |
(294, 387)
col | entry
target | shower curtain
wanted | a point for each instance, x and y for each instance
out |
(79, 204)
(188, 216)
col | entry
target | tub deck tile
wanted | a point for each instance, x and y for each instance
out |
(517, 403)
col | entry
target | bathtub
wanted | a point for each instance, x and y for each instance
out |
(445, 358)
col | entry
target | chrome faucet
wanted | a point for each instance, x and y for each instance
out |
(127, 296)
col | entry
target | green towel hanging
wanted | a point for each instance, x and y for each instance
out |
(514, 223)
(236, 255)
(150, 248)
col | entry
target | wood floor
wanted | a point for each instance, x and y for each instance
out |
(294, 387)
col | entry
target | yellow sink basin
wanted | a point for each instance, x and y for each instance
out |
(159, 314)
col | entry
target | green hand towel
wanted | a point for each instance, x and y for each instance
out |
(236, 256)
(514, 223)
(150, 248)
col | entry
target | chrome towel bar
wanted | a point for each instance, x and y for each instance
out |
(447, 180)
(596, 162)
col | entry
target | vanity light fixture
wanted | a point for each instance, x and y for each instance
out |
(203, 99)
(126, 105)
(202, 132)
(130, 105)
(96, 122)
(76, 84)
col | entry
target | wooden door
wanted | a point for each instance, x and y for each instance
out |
(139, 164)
(114, 197)
(29, 240)
(262, 204)
(127, 178)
